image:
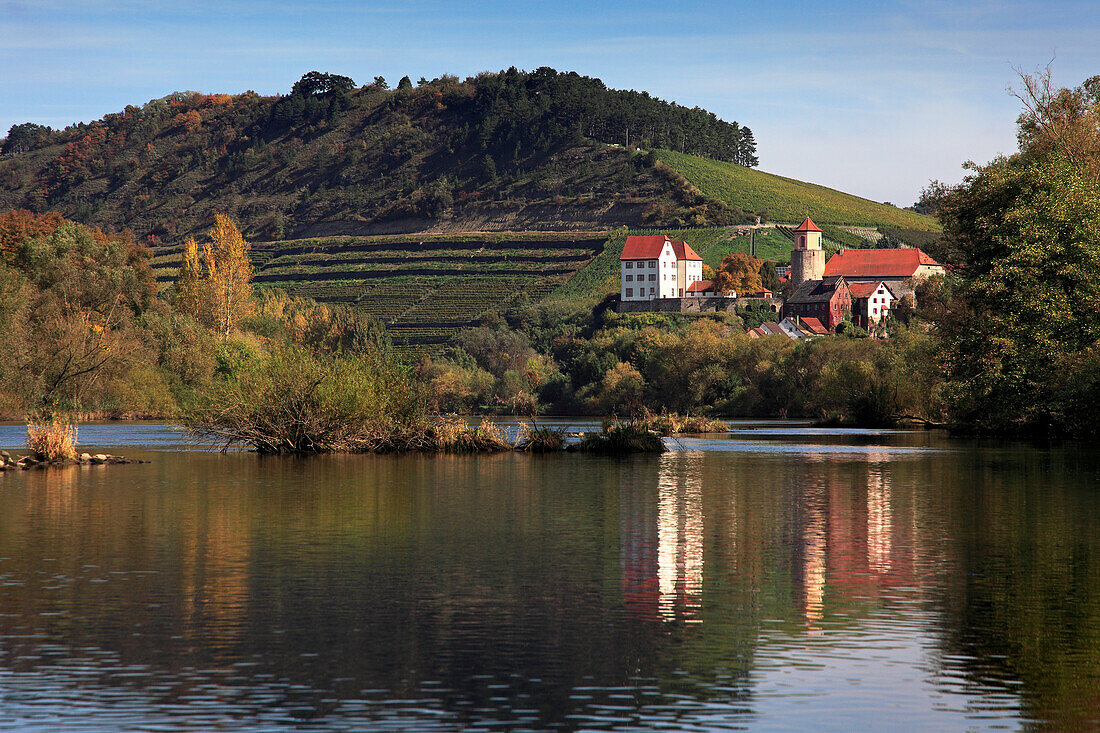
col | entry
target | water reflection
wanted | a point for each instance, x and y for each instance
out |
(698, 589)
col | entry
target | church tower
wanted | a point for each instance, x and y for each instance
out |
(807, 258)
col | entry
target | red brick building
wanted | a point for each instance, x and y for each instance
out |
(829, 301)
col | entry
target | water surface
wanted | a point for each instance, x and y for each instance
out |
(775, 578)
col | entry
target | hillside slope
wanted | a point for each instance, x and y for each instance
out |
(514, 150)
(787, 199)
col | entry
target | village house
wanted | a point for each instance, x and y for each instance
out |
(654, 267)
(871, 302)
(829, 301)
(897, 268)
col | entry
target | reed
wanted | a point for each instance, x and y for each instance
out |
(535, 439)
(621, 438)
(51, 439)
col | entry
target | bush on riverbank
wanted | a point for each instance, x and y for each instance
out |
(51, 439)
(455, 435)
(293, 401)
(621, 438)
(535, 439)
(669, 423)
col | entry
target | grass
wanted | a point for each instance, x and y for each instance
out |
(535, 439)
(673, 424)
(52, 439)
(622, 438)
(788, 199)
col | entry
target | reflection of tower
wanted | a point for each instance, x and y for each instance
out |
(679, 534)
(814, 556)
(807, 257)
(880, 522)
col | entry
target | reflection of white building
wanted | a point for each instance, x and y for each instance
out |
(679, 534)
(661, 551)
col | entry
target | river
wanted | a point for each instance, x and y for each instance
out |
(778, 577)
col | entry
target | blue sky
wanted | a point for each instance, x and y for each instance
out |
(875, 98)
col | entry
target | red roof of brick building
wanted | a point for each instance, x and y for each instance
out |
(808, 226)
(897, 264)
(863, 290)
(700, 285)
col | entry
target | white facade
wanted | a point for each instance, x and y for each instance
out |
(878, 305)
(687, 272)
(663, 276)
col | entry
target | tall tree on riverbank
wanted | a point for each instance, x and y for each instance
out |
(1022, 334)
(190, 286)
(228, 274)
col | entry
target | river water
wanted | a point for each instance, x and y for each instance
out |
(775, 578)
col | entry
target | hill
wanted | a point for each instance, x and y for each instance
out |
(787, 199)
(496, 152)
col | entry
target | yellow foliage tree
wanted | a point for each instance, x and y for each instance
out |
(228, 274)
(190, 283)
(740, 273)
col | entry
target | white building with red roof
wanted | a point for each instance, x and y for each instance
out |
(655, 267)
(871, 301)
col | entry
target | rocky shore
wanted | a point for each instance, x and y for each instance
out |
(14, 463)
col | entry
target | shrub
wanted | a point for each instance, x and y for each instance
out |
(534, 439)
(291, 401)
(621, 438)
(52, 439)
(454, 435)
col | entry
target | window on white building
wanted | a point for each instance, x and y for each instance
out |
(652, 277)
(630, 278)
(651, 291)
(630, 292)
(652, 263)
(629, 265)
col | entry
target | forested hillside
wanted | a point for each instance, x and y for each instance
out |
(507, 151)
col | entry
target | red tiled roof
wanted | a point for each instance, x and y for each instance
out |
(684, 251)
(701, 285)
(814, 325)
(649, 248)
(643, 248)
(808, 226)
(884, 263)
(863, 290)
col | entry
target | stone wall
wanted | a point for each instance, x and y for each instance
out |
(693, 305)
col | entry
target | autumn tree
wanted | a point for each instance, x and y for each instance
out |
(228, 274)
(740, 273)
(190, 284)
(1065, 121)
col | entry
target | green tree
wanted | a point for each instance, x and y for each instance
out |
(1024, 231)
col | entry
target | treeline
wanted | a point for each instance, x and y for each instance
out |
(564, 361)
(514, 111)
(86, 333)
(331, 150)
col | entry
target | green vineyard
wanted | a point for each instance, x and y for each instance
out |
(422, 288)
